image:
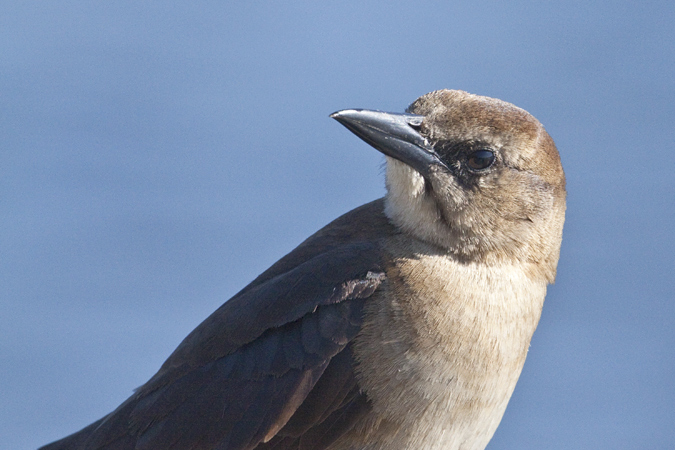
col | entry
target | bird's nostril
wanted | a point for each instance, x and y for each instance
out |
(416, 122)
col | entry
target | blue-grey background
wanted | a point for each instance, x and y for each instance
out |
(156, 156)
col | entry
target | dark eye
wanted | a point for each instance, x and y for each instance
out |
(480, 159)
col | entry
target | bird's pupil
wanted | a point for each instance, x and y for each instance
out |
(481, 159)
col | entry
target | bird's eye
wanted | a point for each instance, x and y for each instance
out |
(480, 159)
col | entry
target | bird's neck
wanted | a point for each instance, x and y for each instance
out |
(448, 341)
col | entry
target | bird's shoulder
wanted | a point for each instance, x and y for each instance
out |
(365, 224)
(342, 260)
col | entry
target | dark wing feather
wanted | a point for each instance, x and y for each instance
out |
(272, 367)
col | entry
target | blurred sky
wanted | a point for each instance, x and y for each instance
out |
(156, 156)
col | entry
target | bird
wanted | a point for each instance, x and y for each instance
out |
(403, 324)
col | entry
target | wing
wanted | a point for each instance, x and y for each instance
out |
(271, 369)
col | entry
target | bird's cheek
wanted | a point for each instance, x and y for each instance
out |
(451, 193)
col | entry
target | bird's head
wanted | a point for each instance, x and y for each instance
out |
(474, 175)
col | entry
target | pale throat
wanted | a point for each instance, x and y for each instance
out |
(410, 206)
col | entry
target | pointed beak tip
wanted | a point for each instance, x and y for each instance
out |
(337, 115)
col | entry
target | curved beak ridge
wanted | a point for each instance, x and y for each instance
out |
(393, 134)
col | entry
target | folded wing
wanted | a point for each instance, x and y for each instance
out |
(271, 369)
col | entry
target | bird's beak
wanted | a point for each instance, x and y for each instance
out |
(393, 134)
